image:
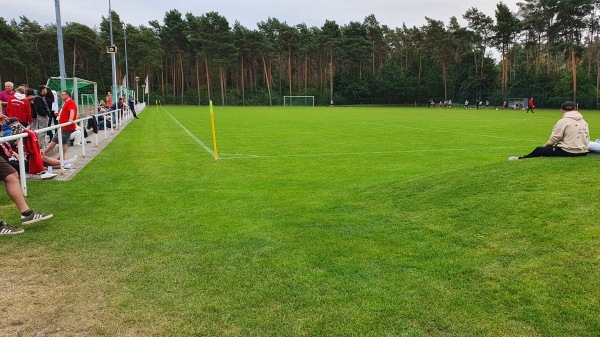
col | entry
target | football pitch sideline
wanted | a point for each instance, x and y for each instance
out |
(329, 221)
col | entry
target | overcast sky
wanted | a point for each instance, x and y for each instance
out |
(312, 12)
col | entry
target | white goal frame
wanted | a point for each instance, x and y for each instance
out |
(288, 100)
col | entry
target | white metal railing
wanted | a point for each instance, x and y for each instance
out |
(117, 119)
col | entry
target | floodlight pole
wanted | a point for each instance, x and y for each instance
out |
(126, 84)
(112, 55)
(61, 49)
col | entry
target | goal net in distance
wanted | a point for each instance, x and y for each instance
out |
(298, 100)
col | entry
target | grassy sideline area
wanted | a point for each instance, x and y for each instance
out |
(315, 222)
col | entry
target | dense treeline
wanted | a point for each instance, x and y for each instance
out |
(550, 49)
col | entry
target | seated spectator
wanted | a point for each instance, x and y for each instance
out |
(76, 137)
(67, 116)
(594, 147)
(11, 157)
(570, 136)
(104, 121)
(55, 163)
(118, 105)
(6, 130)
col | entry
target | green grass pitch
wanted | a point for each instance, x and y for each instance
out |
(329, 221)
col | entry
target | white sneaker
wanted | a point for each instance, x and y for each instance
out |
(69, 163)
(46, 176)
(513, 158)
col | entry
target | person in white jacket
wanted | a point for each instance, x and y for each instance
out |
(570, 136)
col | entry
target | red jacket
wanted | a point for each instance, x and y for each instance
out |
(32, 147)
(20, 109)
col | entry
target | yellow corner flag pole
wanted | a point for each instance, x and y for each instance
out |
(214, 134)
(156, 105)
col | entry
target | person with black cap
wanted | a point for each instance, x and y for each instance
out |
(42, 111)
(570, 136)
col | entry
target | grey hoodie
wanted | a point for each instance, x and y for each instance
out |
(571, 133)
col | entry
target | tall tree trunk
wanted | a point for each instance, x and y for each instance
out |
(267, 81)
(360, 70)
(174, 76)
(549, 61)
(242, 75)
(419, 81)
(373, 55)
(574, 66)
(290, 68)
(42, 63)
(74, 55)
(538, 56)
(222, 79)
(597, 83)
(482, 61)
(444, 78)
(331, 75)
(198, 77)
(162, 75)
(475, 60)
(305, 73)
(208, 88)
(182, 77)
(504, 68)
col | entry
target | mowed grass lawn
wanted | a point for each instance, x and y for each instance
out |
(314, 222)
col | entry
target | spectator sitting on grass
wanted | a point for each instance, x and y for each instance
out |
(594, 147)
(570, 136)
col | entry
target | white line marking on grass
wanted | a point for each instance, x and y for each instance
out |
(191, 135)
(333, 154)
(446, 131)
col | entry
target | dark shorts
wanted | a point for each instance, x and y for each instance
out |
(5, 169)
(66, 136)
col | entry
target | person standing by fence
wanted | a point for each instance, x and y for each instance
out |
(68, 114)
(43, 112)
(132, 107)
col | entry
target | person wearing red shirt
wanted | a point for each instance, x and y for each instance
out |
(530, 106)
(19, 107)
(5, 95)
(109, 101)
(68, 114)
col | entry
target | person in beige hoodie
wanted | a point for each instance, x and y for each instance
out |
(570, 136)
